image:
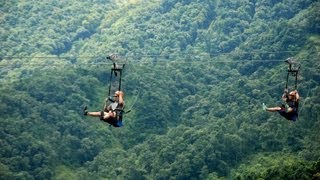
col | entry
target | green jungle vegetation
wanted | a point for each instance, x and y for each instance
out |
(196, 75)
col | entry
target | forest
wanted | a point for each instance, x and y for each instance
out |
(196, 74)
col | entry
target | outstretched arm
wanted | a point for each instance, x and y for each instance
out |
(121, 99)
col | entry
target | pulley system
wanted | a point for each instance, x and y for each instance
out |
(293, 70)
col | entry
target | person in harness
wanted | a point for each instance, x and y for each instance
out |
(289, 107)
(113, 112)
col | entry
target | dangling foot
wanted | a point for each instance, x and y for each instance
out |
(264, 107)
(85, 112)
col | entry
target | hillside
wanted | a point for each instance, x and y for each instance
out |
(196, 75)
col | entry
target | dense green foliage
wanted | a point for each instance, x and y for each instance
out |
(200, 70)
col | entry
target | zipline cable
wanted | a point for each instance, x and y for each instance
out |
(148, 62)
(142, 54)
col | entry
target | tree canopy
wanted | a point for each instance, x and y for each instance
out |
(199, 70)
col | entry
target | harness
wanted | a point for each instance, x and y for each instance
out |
(119, 111)
(293, 104)
(117, 120)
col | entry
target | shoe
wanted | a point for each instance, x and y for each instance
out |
(85, 112)
(264, 107)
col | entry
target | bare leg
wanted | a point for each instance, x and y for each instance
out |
(94, 114)
(106, 115)
(98, 114)
(273, 109)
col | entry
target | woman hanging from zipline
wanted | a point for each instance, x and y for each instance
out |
(111, 113)
(289, 108)
(290, 101)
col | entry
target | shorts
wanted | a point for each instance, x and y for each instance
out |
(112, 121)
(291, 116)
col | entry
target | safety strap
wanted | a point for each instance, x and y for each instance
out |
(119, 113)
(292, 70)
(115, 70)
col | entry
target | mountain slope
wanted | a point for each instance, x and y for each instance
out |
(200, 71)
